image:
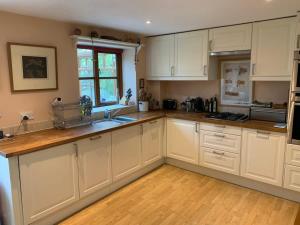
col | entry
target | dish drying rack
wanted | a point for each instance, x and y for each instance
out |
(68, 115)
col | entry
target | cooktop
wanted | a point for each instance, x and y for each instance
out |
(227, 116)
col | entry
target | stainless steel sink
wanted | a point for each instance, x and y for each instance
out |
(115, 121)
(124, 119)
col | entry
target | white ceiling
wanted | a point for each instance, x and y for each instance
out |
(167, 16)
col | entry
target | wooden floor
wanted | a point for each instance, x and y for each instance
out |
(172, 196)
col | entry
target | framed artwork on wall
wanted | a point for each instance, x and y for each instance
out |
(236, 87)
(32, 67)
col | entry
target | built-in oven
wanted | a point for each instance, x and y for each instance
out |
(294, 128)
(296, 73)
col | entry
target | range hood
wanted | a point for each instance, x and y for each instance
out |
(229, 53)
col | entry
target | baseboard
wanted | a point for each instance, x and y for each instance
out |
(241, 181)
(88, 200)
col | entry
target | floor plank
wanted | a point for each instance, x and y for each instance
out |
(172, 196)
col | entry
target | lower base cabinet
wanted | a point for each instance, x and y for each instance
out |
(292, 178)
(220, 160)
(94, 163)
(126, 151)
(183, 140)
(263, 156)
(49, 181)
(152, 141)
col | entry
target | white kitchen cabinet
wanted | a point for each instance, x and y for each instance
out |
(152, 141)
(263, 156)
(126, 151)
(220, 141)
(191, 54)
(293, 155)
(183, 140)
(49, 181)
(220, 160)
(94, 162)
(292, 178)
(160, 57)
(231, 38)
(273, 43)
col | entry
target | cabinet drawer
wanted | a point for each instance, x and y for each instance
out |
(292, 178)
(221, 128)
(293, 155)
(220, 141)
(220, 160)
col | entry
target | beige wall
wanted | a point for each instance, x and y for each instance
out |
(24, 29)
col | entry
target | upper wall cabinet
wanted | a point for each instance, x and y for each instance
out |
(160, 57)
(273, 43)
(191, 55)
(232, 38)
(182, 56)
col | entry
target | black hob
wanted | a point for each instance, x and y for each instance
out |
(227, 116)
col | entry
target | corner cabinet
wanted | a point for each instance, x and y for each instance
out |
(182, 56)
(231, 38)
(273, 43)
(152, 141)
(160, 57)
(94, 162)
(49, 181)
(183, 140)
(126, 151)
(263, 156)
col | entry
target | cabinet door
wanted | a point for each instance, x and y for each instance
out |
(160, 56)
(126, 151)
(191, 54)
(232, 38)
(49, 181)
(292, 178)
(263, 156)
(94, 161)
(273, 43)
(152, 141)
(183, 140)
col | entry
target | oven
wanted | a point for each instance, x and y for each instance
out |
(294, 126)
(296, 73)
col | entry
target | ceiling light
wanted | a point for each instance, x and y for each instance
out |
(148, 22)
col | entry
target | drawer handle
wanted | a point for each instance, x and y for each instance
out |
(220, 126)
(153, 122)
(220, 135)
(219, 153)
(95, 138)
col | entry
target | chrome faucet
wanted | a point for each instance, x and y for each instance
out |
(110, 114)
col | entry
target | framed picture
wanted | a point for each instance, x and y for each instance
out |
(32, 67)
(236, 87)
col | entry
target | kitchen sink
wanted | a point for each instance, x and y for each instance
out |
(124, 119)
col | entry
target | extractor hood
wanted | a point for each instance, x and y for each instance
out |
(229, 53)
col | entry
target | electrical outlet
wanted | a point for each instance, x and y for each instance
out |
(28, 114)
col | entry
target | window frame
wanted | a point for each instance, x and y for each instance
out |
(96, 78)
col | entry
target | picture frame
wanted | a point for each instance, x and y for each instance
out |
(32, 67)
(236, 86)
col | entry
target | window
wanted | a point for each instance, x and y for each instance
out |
(100, 74)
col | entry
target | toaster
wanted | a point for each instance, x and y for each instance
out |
(170, 104)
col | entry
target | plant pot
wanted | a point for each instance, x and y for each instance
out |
(143, 106)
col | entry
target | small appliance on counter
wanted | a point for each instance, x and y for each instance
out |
(170, 104)
(199, 105)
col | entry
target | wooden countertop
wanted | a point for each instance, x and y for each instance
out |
(35, 141)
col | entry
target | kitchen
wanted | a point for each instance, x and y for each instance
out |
(154, 122)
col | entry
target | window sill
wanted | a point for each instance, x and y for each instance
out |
(98, 112)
